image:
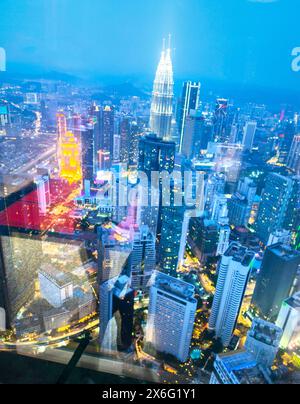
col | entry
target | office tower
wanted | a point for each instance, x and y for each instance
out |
(188, 214)
(286, 139)
(4, 115)
(292, 217)
(133, 145)
(275, 280)
(124, 130)
(249, 134)
(289, 320)
(278, 207)
(234, 272)
(227, 160)
(293, 161)
(104, 162)
(219, 208)
(204, 238)
(238, 367)
(263, 341)
(116, 302)
(116, 297)
(192, 138)
(61, 123)
(247, 188)
(55, 286)
(224, 238)
(142, 259)
(76, 128)
(68, 152)
(117, 148)
(43, 193)
(239, 210)
(4, 297)
(162, 97)
(114, 249)
(70, 159)
(2, 60)
(107, 130)
(87, 153)
(171, 315)
(155, 155)
(2, 318)
(95, 114)
(130, 134)
(215, 185)
(280, 236)
(172, 221)
(220, 120)
(190, 99)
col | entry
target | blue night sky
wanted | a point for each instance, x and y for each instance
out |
(236, 41)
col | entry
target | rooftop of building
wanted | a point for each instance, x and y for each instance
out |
(59, 277)
(153, 138)
(240, 254)
(244, 367)
(174, 286)
(294, 301)
(284, 251)
(265, 332)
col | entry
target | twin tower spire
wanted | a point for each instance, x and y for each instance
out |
(162, 95)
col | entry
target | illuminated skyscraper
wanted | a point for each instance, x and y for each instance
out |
(4, 115)
(294, 156)
(279, 205)
(87, 139)
(142, 258)
(107, 131)
(276, 279)
(234, 271)
(171, 229)
(154, 155)
(249, 134)
(289, 320)
(162, 97)
(68, 152)
(192, 140)
(220, 119)
(172, 309)
(189, 101)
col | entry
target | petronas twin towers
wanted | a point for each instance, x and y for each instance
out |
(162, 96)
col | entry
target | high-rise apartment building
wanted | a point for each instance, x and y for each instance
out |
(234, 271)
(171, 315)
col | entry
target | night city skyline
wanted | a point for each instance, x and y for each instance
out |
(149, 194)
